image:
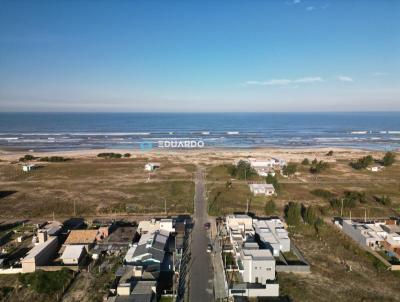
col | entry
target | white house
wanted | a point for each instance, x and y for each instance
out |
(258, 265)
(152, 166)
(262, 189)
(73, 254)
(28, 167)
(375, 168)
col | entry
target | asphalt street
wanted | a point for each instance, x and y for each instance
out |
(201, 273)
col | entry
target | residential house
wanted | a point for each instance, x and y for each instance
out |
(73, 254)
(262, 189)
(82, 237)
(152, 166)
(41, 254)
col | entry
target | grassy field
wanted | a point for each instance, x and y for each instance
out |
(340, 177)
(38, 286)
(96, 186)
(340, 270)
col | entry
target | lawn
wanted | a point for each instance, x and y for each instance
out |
(340, 270)
(96, 186)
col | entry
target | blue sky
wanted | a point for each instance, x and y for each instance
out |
(299, 55)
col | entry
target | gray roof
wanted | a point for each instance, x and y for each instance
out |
(157, 254)
(140, 250)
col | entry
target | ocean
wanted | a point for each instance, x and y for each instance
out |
(69, 131)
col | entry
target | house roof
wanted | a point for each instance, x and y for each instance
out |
(73, 252)
(261, 186)
(81, 237)
(39, 248)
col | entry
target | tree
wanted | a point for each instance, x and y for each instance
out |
(305, 162)
(27, 157)
(293, 214)
(127, 155)
(330, 153)
(309, 215)
(384, 200)
(273, 180)
(389, 159)
(318, 167)
(315, 161)
(362, 163)
(270, 207)
(289, 169)
(243, 170)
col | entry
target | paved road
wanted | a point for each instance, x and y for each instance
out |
(200, 274)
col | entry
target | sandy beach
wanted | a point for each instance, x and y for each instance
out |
(206, 155)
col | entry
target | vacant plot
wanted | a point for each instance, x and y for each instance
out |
(337, 179)
(96, 186)
(340, 270)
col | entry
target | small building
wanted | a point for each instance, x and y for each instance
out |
(82, 237)
(41, 254)
(262, 189)
(375, 168)
(167, 224)
(73, 254)
(28, 167)
(258, 265)
(152, 166)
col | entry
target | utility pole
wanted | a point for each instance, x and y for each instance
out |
(341, 209)
(53, 217)
(365, 215)
(74, 208)
(165, 205)
(247, 206)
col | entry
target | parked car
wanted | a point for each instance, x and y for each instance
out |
(209, 248)
(207, 225)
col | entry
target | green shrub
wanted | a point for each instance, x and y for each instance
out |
(384, 200)
(293, 213)
(27, 157)
(305, 162)
(109, 155)
(270, 207)
(362, 163)
(323, 193)
(389, 159)
(53, 159)
(273, 180)
(289, 169)
(318, 167)
(44, 282)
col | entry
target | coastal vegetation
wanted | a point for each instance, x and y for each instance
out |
(242, 170)
(290, 169)
(54, 159)
(109, 155)
(388, 159)
(318, 166)
(362, 163)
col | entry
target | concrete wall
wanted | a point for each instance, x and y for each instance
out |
(258, 271)
(271, 290)
(354, 233)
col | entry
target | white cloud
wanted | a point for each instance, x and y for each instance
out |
(309, 80)
(283, 82)
(380, 74)
(293, 2)
(344, 78)
(310, 8)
